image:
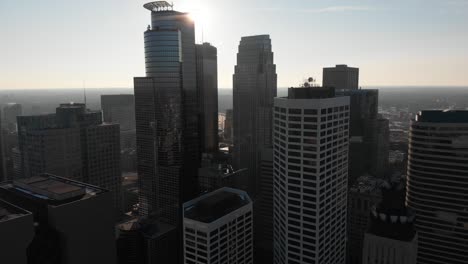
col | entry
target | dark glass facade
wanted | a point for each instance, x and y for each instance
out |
(167, 117)
(207, 82)
(254, 87)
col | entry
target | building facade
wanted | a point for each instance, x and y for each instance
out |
(74, 221)
(437, 185)
(207, 86)
(120, 109)
(17, 229)
(167, 115)
(254, 87)
(72, 143)
(218, 228)
(391, 237)
(363, 196)
(341, 77)
(10, 112)
(310, 161)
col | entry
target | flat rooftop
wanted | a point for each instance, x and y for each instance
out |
(52, 189)
(442, 116)
(214, 205)
(313, 92)
(9, 211)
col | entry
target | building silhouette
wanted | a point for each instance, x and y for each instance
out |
(166, 111)
(437, 184)
(364, 195)
(17, 229)
(391, 237)
(120, 109)
(254, 87)
(341, 77)
(218, 228)
(10, 112)
(311, 133)
(74, 221)
(263, 210)
(73, 143)
(207, 86)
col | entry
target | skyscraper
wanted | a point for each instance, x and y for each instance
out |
(364, 195)
(437, 185)
(310, 176)
(218, 228)
(341, 77)
(10, 112)
(254, 87)
(73, 221)
(120, 109)
(380, 148)
(166, 106)
(207, 86)
(3, 174)
(263, 210)
(73, 143)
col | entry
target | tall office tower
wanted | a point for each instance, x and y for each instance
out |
(341, 77)
(73, 143)
(3, 174)
(391, 237)
(228, 130)
(10, 112)
(380, 148)
(73, 221)
(263, 210)
(207, 86)
(437, 185)
(218, 228)
(363, 195)
(254, 87)
(166, 109)
(17, 229)
(310, 176)
(120, 109)
(362, 130)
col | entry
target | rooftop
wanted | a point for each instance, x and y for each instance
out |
(214, 205)
(9, 211)
(159, 6)
(52, 189)
(311, 92)
(340, 66)
(442, 116)
(391, 219)
(149, 228)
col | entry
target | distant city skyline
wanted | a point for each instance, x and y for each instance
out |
(99, 44)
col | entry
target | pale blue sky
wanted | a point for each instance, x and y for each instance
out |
(61, 44)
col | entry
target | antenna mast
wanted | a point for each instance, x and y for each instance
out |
(84, 92)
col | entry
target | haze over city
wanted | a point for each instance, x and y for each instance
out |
(98, 44)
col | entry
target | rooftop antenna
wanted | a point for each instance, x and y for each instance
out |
(309, 82)
(84, 91)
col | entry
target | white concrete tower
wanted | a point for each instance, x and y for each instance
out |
(310, 176)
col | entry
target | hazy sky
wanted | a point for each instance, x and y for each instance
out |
(64, 43)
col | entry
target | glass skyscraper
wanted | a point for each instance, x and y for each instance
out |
(254, 88)
(207, 82)
(166, 115)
